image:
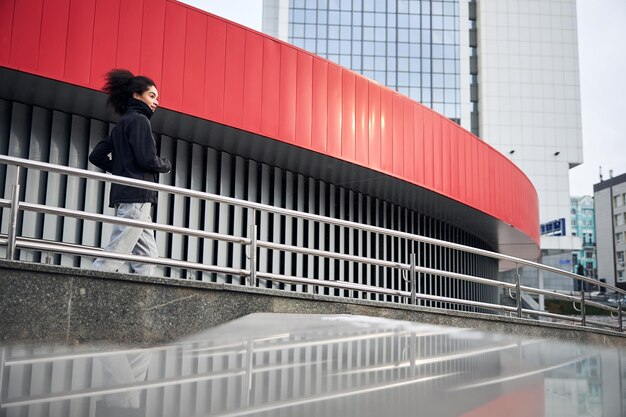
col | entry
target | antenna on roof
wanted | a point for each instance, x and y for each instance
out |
(600, 173)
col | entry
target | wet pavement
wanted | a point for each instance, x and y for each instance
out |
(318, 365)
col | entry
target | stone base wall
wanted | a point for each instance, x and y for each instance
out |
(52, 304)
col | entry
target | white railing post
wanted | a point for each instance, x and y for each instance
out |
(15, 208)
(413, 280)
(418, 275)
(253, 248)
(583, 318)
(518, 291)
(542, 301)
(247, 380)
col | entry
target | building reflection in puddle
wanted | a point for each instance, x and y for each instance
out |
(313, 365)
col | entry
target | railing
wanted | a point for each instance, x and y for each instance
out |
(251, 274)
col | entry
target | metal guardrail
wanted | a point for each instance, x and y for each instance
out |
(251, 274)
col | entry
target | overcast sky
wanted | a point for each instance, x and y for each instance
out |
(602, 53)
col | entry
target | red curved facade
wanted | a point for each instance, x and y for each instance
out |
(214, 69)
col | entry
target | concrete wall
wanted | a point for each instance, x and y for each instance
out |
(53, 304)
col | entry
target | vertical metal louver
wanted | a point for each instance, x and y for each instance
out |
(52, 136)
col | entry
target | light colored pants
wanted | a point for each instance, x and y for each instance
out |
(125, 239)
(124, 369)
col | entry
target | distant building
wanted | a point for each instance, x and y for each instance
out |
(610, 219)
(583, 224)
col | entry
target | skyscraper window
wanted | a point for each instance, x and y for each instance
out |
(408, 45)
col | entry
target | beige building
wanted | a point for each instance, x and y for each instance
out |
(610, 212)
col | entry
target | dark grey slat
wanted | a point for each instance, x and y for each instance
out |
(78, 151)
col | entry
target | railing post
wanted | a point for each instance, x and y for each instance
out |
(15, 208)
(247, 389)
(542, 301)
(518, 292)
(619, 313)
(583, 319)
(418, 275)
(413, 354)
(413, 281)
(253, 248)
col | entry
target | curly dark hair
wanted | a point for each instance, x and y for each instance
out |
(120, 86)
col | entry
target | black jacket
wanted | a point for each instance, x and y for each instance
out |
(133, 154)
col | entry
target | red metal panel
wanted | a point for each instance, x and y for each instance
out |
(54, 20)
(25, 34)
(333, 144)
(195, 49)
(466, 162)
(347, 115)
(497, 181)
(502, 206)
(445, 156)
(152, 34)
(477, 162)
(418, 146)
(478, 178)
(493, 174)
(386, 130)
(129, 36)
(253, 82)
(429, 165)
(214, 69)
(270, 88)
(409, 141)
(489, 157)
(437, 154)
(233, 79)
(105, 31)
(173, 56)
(361, 119)
(470, 167)
(483, 161)
(499, 187)
(79, 41)
(6, 28)
(319, 120)
(516, 203)
(508, 206)
(454, 161)
(473, 177)
(287, 100)
(374, 125)
(522, 401)
(502, 183)
(462, 139)
(304, 99)
(513, 199)
(398, 135)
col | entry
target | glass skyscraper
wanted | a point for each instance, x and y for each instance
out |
(410, 46)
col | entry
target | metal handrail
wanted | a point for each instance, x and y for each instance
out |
(253, 275)
(39, 208)
(9, 160)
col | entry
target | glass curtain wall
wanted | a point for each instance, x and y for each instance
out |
(411, 46)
